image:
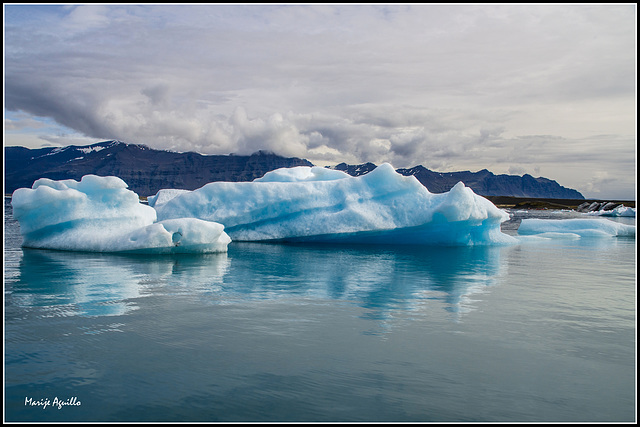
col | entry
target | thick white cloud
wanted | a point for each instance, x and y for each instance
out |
(451, 87)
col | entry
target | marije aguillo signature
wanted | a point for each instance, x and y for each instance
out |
(55, 403)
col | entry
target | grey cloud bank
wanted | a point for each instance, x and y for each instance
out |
(539, 89)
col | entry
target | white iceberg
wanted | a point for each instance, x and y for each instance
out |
(320, 205)
(620, 211)
(99, 214)
(575, 228)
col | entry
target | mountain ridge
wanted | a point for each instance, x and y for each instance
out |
(147, 170)
(483, 182)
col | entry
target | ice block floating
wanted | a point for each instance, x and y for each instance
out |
(314, 204)
(99, 214)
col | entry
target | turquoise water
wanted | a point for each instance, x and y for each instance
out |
(535, 332)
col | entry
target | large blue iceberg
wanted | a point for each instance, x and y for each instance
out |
(99, 214)
(314, 204)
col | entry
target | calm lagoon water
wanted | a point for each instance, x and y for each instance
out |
(535, 332)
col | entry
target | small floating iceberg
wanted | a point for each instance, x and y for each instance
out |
(312, 204)
(620, 211)
(614, 209)
(99, 214)
(575, 228)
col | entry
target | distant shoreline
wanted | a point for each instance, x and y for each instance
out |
(509, 202)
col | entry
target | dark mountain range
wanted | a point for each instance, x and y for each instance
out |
(484, 183)
(146, 170)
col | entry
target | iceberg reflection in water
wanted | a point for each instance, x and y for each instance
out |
(102, 284)
(378, 279)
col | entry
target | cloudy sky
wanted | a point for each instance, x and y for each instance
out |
(540, 89)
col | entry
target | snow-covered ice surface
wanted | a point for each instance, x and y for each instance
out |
(99, 214)
(322, 205)
(163, 196)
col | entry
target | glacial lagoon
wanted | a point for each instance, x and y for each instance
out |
(542, 331)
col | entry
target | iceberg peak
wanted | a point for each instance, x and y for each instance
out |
(302, 173)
